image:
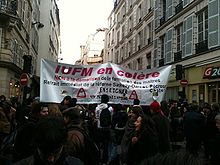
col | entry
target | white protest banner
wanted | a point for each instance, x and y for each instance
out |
(88, 82)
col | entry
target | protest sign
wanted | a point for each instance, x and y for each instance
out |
(88, 82)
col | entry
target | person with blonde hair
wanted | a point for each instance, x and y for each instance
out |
(54, 110)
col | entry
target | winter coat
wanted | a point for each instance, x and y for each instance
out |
(63, 160)
(163, 130)
(5, 126)
(75, 145)
(147, 145)
(194, 125)
(98, 111)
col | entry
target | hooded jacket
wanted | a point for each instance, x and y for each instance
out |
(98, 111)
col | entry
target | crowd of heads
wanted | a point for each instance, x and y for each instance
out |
(52, 120)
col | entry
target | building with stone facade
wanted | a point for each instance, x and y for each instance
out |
(49, 36)
(144, 34)
(15, 29)
(20, 28)
(92, 52)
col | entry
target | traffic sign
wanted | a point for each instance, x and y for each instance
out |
(184, 82)
(24, 79)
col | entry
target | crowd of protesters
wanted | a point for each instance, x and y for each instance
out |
(70, 133)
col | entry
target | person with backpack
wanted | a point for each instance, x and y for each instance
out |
(103, 113)
(119, 120)
(79, 143)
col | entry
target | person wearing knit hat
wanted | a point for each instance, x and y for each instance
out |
(155, 107)
(162, 125)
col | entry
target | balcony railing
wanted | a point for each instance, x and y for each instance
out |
(202, 46)
(178, 56)
(179, 7)
(8, 7)
(161, 62)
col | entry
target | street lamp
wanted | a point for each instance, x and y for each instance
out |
(39, 24)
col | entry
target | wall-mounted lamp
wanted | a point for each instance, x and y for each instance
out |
(59, 59)
(101, 29)
(39, 24)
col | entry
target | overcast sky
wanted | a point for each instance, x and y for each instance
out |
(78, 19)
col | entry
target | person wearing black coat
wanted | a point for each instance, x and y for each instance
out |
(194, 126)
(162, 126)
(144, 142)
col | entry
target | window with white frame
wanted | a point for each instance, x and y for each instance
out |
(122, 53)
(157, 13)
(123, 11)
(118, 17)
(139, 40)
(179, 34)
(202, 25)
(168, 8)
(130, 23)
(23, 9)
(148, 57)
(129, 48)
(118, 36)
(130, 3)
(15, 48)
(187, 36)
(155, 55)
(162, 46)
(112, 36)
(140, 63)
(213, 23)
(150, 32)
(21, 52)
(110, 56)
(168, 46)
(109, 38)
(186, 2)
(123, 31)
(139, 13)
(116, 57)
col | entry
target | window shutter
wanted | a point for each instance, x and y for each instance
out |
(169, 10)
(187, 36)
(157, 14)
(142, 38)
(136, 42)
(185, 2)
(213, 23)
(168, 46)
(184, 39)
(155, 51)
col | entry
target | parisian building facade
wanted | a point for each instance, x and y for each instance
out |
(92, 52)
(144, 34)
(20, 28)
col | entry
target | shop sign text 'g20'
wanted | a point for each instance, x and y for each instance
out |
(212, 72)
